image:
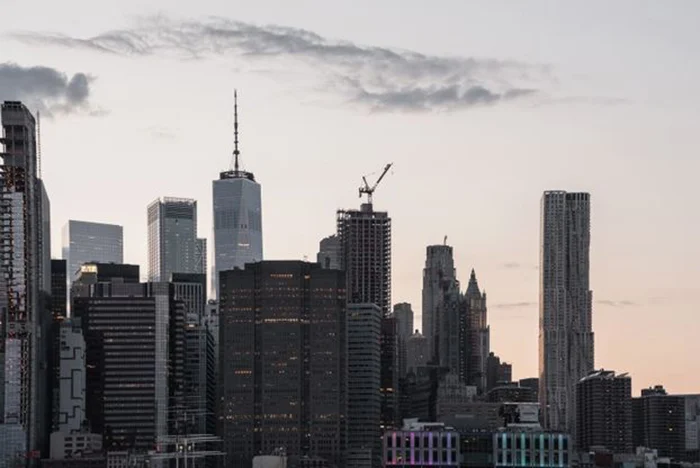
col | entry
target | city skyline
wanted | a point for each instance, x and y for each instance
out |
(638, 162)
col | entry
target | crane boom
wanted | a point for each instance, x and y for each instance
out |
(370, 190)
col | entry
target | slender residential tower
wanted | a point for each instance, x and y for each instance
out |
(566, 333)
(237, 216)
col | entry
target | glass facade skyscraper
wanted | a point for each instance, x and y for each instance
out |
(85, 242)
(172, 238)
(237, 222)
(237, 217)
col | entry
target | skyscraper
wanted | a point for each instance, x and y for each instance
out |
(200, 256)
(25, 285)
(71, 382)
(237, 217)
(461, 332)
(85, 242)
(364, 397)
(566, 335)
(604, 412)
(417, 352)
(438, 274)
(134, 354)
(172, 238)
(478, 334)
(365, 253)
(329, 253)
(403, 313)
(658, 422)
(283, 361)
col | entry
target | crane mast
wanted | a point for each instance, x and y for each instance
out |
(366, 189)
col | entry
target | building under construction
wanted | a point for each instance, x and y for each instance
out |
(365, 251)
(25, 284)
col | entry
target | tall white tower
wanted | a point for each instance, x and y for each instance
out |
(566, 333)
(237, 216)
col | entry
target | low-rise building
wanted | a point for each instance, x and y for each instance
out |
(421, 445)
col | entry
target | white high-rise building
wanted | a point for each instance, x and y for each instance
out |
(237, 217)
(438, 275)
(172, 238)
(566, 334)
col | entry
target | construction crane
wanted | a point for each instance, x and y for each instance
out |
(370, 190)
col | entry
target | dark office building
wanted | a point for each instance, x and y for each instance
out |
(59, 305)
(604, 412)
(512, 393)
(59, 278)
(658, 422)
(364, 398)
(532, 383)
(134, 355)
(497, 373)
(282, 361)
(365, 254)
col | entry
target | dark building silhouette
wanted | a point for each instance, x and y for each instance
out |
(282, 361)
(511, 393)
(365, 255)
(364, 377)
(25, 286)
(658, 422)
(462, 338)
(532, 383)
(134, 354)
(59, 305)
(604, 412)
(497, 373)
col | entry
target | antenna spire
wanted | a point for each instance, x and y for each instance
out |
(236, 152)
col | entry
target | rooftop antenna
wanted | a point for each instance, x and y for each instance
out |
(444, 242)
(236, 153)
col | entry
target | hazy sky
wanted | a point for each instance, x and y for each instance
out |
(481, 106)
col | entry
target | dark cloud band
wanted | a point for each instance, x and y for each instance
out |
(381, 78)
(44, 88)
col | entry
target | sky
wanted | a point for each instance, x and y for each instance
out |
(481, 106)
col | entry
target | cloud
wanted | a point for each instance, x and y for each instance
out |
(380, 78)
(45, 88)
(513, 305)
(619, 304)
